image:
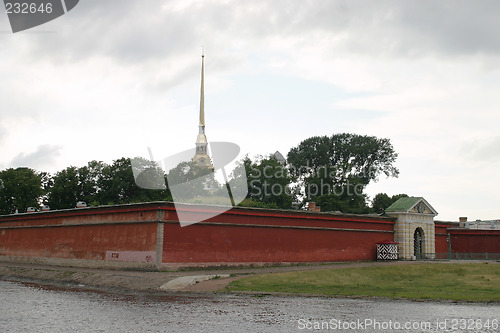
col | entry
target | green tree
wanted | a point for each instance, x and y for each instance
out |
(65, 190)
(269, 184)
(195, 183)
(98, 183)
(354, 204)
(89, 178)
(381, 201)
(339, 167)
(396, 197)
(20, 188)
(118, 186)
(74, 184)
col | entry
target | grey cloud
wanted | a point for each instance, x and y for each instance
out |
(3, 132)
(486, 151)
(398, 28)
(127, 31)
(137, 32)
(43, 156)
(458, 27)
(394, 28)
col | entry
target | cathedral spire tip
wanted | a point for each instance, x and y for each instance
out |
(202, 93)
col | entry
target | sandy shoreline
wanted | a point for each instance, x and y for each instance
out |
(102, 279)
(215, 280)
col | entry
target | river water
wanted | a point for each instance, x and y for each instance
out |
(35, 308)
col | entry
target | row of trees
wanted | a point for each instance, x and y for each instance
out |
(97, 183)
(332, 171)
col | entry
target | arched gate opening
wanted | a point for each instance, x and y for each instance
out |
(418, 240)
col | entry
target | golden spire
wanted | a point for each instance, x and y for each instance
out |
(202, 94)
(201, 157)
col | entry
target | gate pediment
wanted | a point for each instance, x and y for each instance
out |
(416, 205)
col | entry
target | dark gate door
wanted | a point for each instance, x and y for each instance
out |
(417, 240)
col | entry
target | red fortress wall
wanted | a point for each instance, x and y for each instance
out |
(442, 236)
(149, 234)
(250, 235)
(114, 234)
(474, 240)
(451, 239)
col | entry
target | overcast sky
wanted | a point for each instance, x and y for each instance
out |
(113, 77)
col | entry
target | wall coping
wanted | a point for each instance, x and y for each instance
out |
(169, 206)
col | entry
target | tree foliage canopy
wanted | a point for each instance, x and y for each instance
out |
(97, 183)
(381, 201)
(269, 183)
(344, 156)
(21, 188)
(335, 170)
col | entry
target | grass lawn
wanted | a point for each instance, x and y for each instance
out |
(465, 282)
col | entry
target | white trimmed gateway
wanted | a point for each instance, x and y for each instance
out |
(414, 228)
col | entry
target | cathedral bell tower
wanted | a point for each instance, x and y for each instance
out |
(201, 157)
